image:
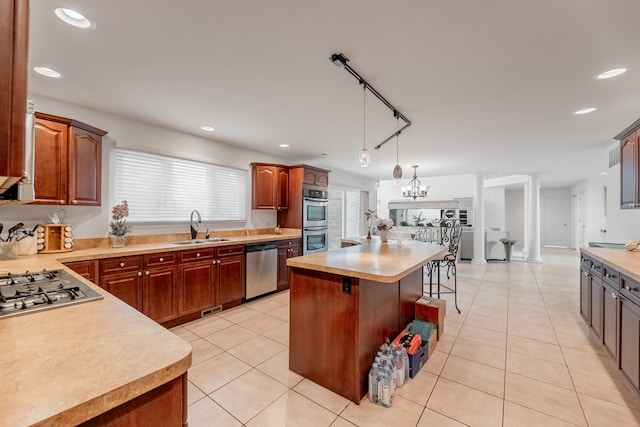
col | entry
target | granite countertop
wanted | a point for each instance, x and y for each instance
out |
(626, 262)
(371, 259)
(67, 365)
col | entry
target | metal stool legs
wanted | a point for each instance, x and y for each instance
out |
(451, 266)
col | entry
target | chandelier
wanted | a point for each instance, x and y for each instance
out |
(415, 188)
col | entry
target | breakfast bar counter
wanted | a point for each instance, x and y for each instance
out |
(345, 302)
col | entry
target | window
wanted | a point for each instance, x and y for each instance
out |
(161, 188)
(346, 214)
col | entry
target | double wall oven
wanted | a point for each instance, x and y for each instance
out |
(315, 221)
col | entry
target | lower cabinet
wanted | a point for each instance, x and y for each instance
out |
(122, 278)
(596, 306)
(197, 290)
(585, 294)
(286, 249)
(630, 341)
(610, 314)
(231, 274)
(159, 286)
(87, 269)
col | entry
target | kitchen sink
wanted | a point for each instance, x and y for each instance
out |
(200, 241)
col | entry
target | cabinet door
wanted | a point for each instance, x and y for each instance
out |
(322, 178)
(231, 279)
(160, 301)
(85, 167)
(629, 171)
(283, 188)
(283, 270)
(630, 341)
(309, 176)
(610, 320)
(196, 290)
(87, 269)
(126, 286)
(585, 295)
(50, 172)
(596, 306)
(265, 187)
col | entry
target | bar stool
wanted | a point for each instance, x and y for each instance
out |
(450, 234)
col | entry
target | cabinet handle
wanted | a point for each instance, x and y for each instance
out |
(75, 202)
(122, 265)
(198, 255)
(629, 288)
(614, 296)
(146, 272)
(62, 202)
(139, 273)
(218, 261)
(161, 259)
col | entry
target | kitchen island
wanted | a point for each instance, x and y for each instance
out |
(345, 302)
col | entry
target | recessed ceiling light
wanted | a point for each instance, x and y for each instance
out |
(74, 18)
(207, 128)
(603, 173)
(586, 110)
(611, 73)
(324, 154)
(47, 72)
(284, 146)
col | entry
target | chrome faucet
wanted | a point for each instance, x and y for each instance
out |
(194, 225)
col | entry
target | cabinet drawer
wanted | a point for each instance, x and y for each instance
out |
(288, 242)
(120, 265)
(196, 255)
(611, 277)
(168, 259)
(585, 261)
(596, 268)
(630, 288)
(231, 250)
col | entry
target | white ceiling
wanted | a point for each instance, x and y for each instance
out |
(490, 86)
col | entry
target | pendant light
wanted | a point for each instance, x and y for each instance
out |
(415, 188)
(397, 171)
(363, 158)
(377, 169)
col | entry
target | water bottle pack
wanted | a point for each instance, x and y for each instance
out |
(390, 369)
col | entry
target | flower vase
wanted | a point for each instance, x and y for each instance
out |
(369, 233)
(118, 241)
(507, 252)
(384, 236)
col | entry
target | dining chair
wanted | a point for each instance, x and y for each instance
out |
(450, 234)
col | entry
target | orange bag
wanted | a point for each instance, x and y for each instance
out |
(411, 342)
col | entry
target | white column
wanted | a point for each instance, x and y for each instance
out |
(527, 218)
(478, 221)
(534, 220)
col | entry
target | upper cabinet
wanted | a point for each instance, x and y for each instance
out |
(68, 161)
(315, 176)
(14, 31)
(270, 186)
(630, 166)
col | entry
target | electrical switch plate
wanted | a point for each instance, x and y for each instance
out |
(346, 285)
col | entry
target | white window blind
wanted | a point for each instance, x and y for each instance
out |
(161, 188)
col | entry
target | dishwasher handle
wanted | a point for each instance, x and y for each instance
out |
(262, 246)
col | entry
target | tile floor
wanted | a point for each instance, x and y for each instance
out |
(518, 355)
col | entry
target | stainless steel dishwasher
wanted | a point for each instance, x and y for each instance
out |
(262, 269)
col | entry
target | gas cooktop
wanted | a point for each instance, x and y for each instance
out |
(42, 290)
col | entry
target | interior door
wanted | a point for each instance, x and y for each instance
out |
(556, 221)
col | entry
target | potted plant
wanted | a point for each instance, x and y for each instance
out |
(118, 225)
(384, 225)
(508, 246)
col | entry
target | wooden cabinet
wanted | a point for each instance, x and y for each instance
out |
(585, 288)
(14, 35)
(270, 186)
(630, 166)
(301, 176)
(315, 176)
(286, 249)
(122, 278)
(87, 269)
(197, 287)
(630, 341)
(610, 314)
(68, 161)
(231, 274)
(159, 286)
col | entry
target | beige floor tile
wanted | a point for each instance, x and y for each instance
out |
(323, 397)
(418, 389)
(282, 313)
(606, 414)
(598, 364)
(483, 336)
(247, 395)
(431, 418)
(341, 422)
(207, 326)
(262, 323)
(498, 313)
(446, 341)
(206, 412)
(293, 409)
(611, 388)
(534, 348)
(193, 393)
(216, 372)
(282, 297)
(257, 350)
(435, 362)
(238, 314)
(481, 353)
(538, 369)
(203, 350)
(230, 337)
(484, 322)
(533, 332)
(543, 397)
(520, 416)
(475, 375)
(184, 333)
(264, 306)
(404, 413)
(277, 368)
(465, 404)
(279, 334)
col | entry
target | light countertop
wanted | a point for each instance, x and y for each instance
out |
(372, 259)
(626, 262)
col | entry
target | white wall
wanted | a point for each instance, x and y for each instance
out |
(494, 208)
(514, 216)
(127, 133)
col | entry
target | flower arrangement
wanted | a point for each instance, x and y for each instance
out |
(507, 241)
(385, 224)
(369, 214)
(119, 213)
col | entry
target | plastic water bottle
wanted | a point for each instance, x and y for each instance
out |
(399, 368)
(405, 362)
(373, 383)
(384, 388)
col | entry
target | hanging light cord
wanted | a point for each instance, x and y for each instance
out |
(364, 116)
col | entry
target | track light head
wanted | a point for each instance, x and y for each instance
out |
(339, 60)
